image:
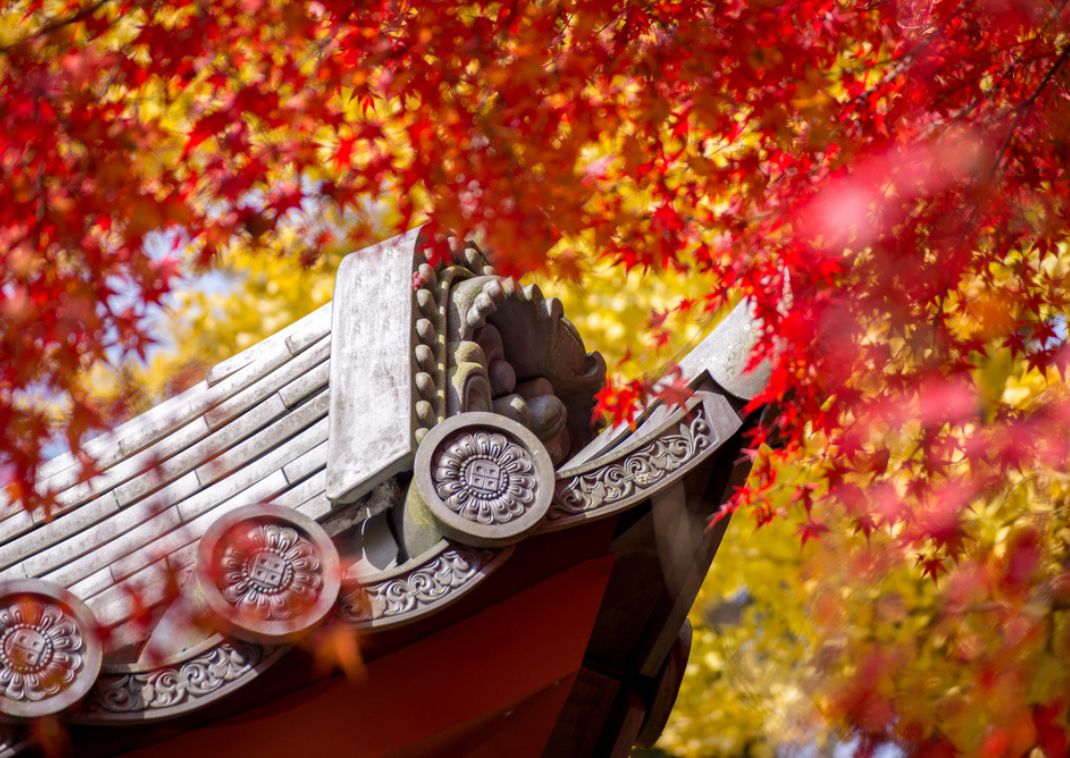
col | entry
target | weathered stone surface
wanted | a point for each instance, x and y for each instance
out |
(278, 434)
(310, 329)
(316, 507)
(371, 367)
(136, 464)
(725, 353)
(185, 532)
(309, 462)
(278, 347)
(110, 554)
(99, 546)
(104, 526)
(259, 390)
(312, 381)
(304, 491)
(120, 601)
(186, 459)
(15, 523)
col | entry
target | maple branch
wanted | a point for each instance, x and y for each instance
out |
(1048, 76)
(1025, 106)
(57, 24)
(904, 61)
(1028, 102)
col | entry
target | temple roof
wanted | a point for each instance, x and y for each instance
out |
(413, 431)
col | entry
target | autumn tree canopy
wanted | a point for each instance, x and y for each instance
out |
(885, 181)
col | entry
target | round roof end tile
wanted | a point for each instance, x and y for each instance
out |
(268, 573)
(487, 480)
(50, 653)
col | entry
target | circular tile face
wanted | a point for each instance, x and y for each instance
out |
(268, 573)
(50, 655)
(486, 479)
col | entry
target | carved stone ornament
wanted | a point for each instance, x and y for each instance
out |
(174, 688)
(486, 479)
(640, 471)
(434, 583)
(648, 461)
(269, 574)
(49, 653)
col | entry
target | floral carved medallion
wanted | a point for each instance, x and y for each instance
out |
(40, 650)
(269, 570)
(268, 573)
(49, 655)
(485, 478)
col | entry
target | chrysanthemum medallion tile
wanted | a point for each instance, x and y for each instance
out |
(485, 478)
(268, 573)
(50, 654)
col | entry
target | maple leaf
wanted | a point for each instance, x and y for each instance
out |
(284, 198)
(343, 154)
(810, 530)
(335, 646)
(620, 403)
(931, 567)
(675, 391)
(206, 127)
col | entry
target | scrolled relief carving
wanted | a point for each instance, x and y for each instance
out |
(536, 365)
(639, 471)
(441, 578)
(201, 678)
(49, 653)
(486, 479)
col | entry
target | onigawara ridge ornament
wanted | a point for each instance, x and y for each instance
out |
(414, 462)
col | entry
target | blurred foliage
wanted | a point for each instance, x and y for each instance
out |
(885, 181)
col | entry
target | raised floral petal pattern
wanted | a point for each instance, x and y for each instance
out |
(485, 477)
(269, 571)
(41, 650)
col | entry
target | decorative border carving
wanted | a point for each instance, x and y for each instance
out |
(626, 475)
(432, 585)
(174, 689)
(640, 471)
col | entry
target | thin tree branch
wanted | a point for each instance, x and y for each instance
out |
(1027, 105)
(57, 24)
